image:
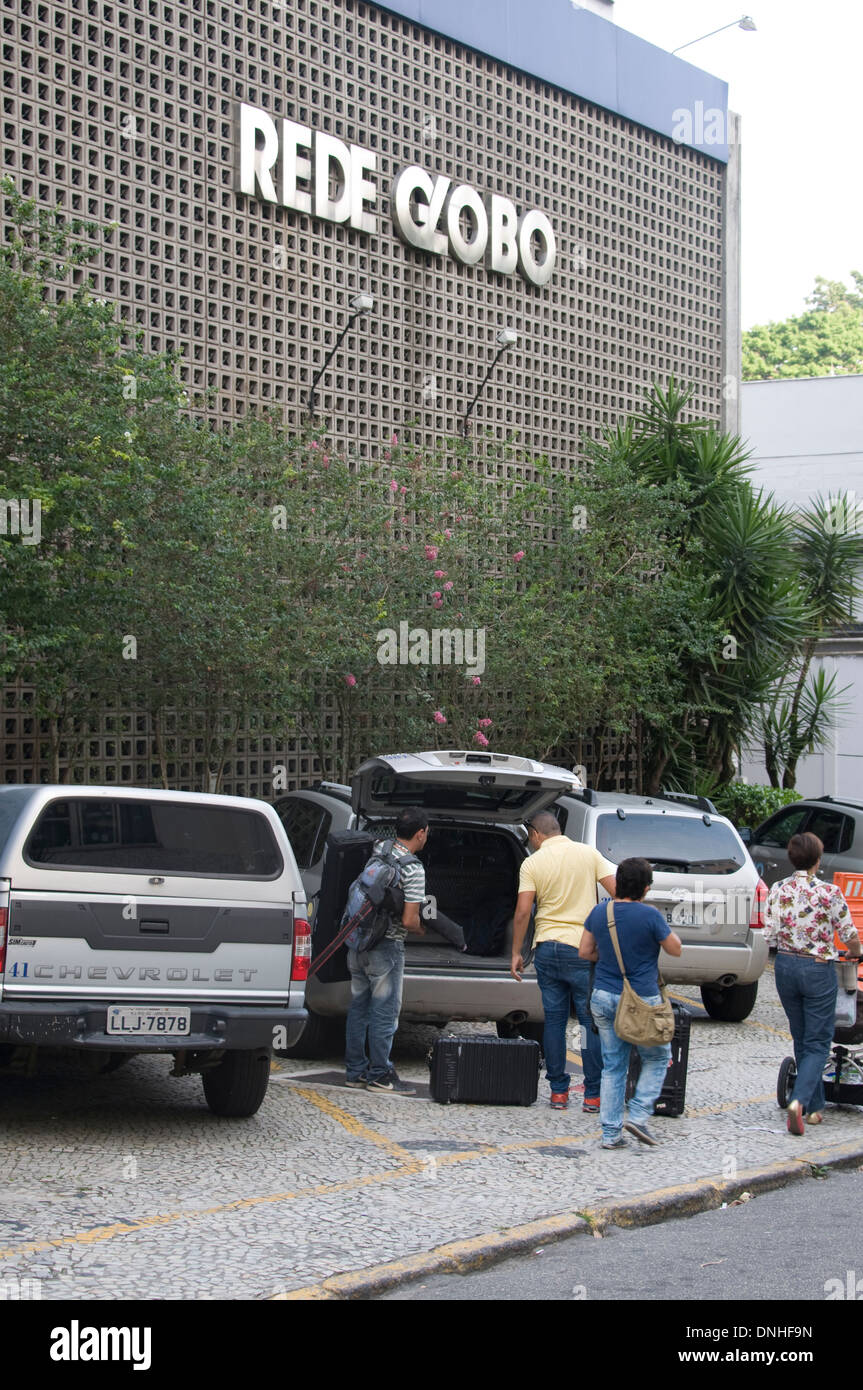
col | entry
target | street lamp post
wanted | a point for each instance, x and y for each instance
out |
(360, 304)
(506, 339)
(747, 22)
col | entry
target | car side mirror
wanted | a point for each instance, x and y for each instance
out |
(745, 834)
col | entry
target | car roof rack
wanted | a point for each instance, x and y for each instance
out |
(836, 801)
(699, 803)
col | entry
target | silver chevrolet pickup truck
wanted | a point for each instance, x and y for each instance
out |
(144, 921)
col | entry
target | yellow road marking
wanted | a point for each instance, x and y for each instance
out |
(411, 1168)
(353, 1125)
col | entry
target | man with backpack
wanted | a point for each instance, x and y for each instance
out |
(377, 973)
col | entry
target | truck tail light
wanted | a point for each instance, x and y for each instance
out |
(5, 893)
(302, 950)
(759, 902)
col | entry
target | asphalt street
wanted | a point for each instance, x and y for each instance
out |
(801, 1242)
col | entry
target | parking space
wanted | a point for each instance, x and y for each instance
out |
(125, 1186)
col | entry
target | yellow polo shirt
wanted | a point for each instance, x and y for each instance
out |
(563, 874)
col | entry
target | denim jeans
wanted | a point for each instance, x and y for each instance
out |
(615, 1065)
(376, 999)
(564, 979)
(807, 988)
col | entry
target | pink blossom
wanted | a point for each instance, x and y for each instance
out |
(387, 454)
(394, 487)
(350, 681)
(448, 534)
(438, 603)
(404, 520)
(395, 439)
(326, 460)
(440, 574)
(475, 680)
(480, 739)
(438, 717)
(519, 555)
(431, 552)
(314, 444)
(436, 593)
(484, 723)
(402, 489)
(448, 584)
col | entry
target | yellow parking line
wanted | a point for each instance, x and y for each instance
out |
(412, 1167)
(353, 1125)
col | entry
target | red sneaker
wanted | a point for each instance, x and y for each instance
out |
(559, 1100)
(590, 1105)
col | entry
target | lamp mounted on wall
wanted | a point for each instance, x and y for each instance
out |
(747, 23)
(360, 304)
(506, 338)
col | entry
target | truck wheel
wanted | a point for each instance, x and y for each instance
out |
(729, 1005)
(237, 1086)
(785, 1082)
(322, 1036)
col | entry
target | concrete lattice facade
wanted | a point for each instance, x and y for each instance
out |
(125, 113)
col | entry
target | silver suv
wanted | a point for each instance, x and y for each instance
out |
(836, 822)
(151, 921)
(477, 804)
(703, 881)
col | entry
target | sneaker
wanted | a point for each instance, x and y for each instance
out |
(640, 1131)
(590, 1105)
(393, 1085)
(559, 1100)
(356, 1083)
(621, 1142)
(795, 1118)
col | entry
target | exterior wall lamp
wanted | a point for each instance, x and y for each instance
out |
(360, 304)
(506, 338)
(747, 22)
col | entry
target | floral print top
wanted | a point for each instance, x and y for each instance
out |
(802, 914)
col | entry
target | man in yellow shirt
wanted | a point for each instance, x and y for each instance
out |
(561, 876)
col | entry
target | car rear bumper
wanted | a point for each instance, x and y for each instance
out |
(711, 962)
(437, 997)
(214, 1027)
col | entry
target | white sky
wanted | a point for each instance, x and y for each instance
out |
(797, 85)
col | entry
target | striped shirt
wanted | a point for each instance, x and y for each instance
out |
(413, 883)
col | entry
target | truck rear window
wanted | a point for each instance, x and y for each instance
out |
(163, 837)
(673, 844)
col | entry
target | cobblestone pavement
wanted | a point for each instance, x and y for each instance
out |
(125, 1186)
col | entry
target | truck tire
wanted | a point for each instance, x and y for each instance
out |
(237, 1086)
(321, 1037)
(729, 1005)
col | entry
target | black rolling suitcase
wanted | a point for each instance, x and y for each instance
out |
(484, 1071)
(672, 1097)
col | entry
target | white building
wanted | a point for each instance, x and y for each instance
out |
(806, 436)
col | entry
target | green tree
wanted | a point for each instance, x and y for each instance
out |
(825, 340)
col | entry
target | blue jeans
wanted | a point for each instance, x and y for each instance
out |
(615, 1065)
(376, 999)
(807, 988)
(565, 979)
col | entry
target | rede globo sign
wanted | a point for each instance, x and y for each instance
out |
(287, 163)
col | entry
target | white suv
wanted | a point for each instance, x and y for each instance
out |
(704, 882)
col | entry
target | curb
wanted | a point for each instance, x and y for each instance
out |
(668, 1203)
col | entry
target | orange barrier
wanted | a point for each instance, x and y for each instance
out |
(852, 888)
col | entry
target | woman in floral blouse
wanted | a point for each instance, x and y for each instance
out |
(803, 912)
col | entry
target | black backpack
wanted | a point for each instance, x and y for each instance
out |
(376, 901)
